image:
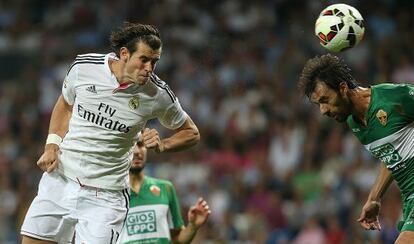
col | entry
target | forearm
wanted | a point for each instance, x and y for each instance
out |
(59, 120)
(186, 137)
(381, 184)
(186, 235)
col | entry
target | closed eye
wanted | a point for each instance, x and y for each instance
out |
(323, 100)
(146, 59)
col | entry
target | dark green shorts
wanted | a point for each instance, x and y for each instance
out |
(407, 223)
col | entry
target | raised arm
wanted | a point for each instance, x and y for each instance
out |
(197, 216)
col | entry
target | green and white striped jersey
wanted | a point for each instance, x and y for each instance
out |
(389, 134)
(153, 212)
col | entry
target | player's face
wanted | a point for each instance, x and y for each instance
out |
(139, 157)
(331, 103)
(141, 63)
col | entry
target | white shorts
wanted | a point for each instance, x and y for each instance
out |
(63, 207)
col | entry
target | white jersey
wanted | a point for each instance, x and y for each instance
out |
(106, 119)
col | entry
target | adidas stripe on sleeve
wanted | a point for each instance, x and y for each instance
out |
(69, 84)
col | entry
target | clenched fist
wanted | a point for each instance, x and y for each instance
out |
(151, 140)
(49, 159)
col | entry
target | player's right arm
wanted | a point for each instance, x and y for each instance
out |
(59, 122)
(370, 211)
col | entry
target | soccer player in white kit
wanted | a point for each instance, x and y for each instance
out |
(106, 101)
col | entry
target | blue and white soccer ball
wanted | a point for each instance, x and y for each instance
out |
(339, 27)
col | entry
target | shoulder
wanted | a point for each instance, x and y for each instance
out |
(166, 184)
(166, 93)
(393, 92)
(158, 181)
(391, 87)
(88, 61)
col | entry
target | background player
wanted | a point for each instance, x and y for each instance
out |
(154, 214)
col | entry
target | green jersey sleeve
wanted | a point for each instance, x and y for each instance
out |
(407, 100)
(175, 219)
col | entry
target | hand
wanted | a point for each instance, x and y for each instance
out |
(198, 214)
(49, 159)
(151, 140)
(369, 216)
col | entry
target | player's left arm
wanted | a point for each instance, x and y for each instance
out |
(186, 136)
(197, 216)
(368, 218)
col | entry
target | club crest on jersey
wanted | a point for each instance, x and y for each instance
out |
(382, 116)
(134, 102)
(155, 190)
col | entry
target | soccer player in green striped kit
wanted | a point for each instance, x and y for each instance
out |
(154, 215)
(381, 117)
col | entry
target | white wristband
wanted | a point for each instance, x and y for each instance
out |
(54, 139)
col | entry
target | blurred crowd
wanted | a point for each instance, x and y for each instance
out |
(272, 169)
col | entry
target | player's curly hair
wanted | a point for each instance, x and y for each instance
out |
(129, 33)
(327, 68)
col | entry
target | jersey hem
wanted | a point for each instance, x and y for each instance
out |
(92, 183)
(25, 233)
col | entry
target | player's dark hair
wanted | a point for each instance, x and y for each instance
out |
(327, 68)
(130, 33)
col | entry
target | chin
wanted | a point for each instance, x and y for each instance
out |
(141, 81)
(136, 169)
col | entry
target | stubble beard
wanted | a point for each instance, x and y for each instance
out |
(136, 170)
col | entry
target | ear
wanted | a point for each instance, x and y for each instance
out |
(343, 88)
(124, 54)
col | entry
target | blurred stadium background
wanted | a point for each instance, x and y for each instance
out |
(271, 168)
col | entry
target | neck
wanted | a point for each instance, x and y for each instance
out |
(360, 98)
(135, 181)
(117, 67)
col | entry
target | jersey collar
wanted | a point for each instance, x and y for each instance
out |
(122, 87)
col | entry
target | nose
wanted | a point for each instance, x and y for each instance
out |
(136, 152)
(137, 156)
(324, 109)
(149, 67)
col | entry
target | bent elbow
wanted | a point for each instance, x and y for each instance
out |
(197, 137)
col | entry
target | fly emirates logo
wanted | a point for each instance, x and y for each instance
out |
(103, 118)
